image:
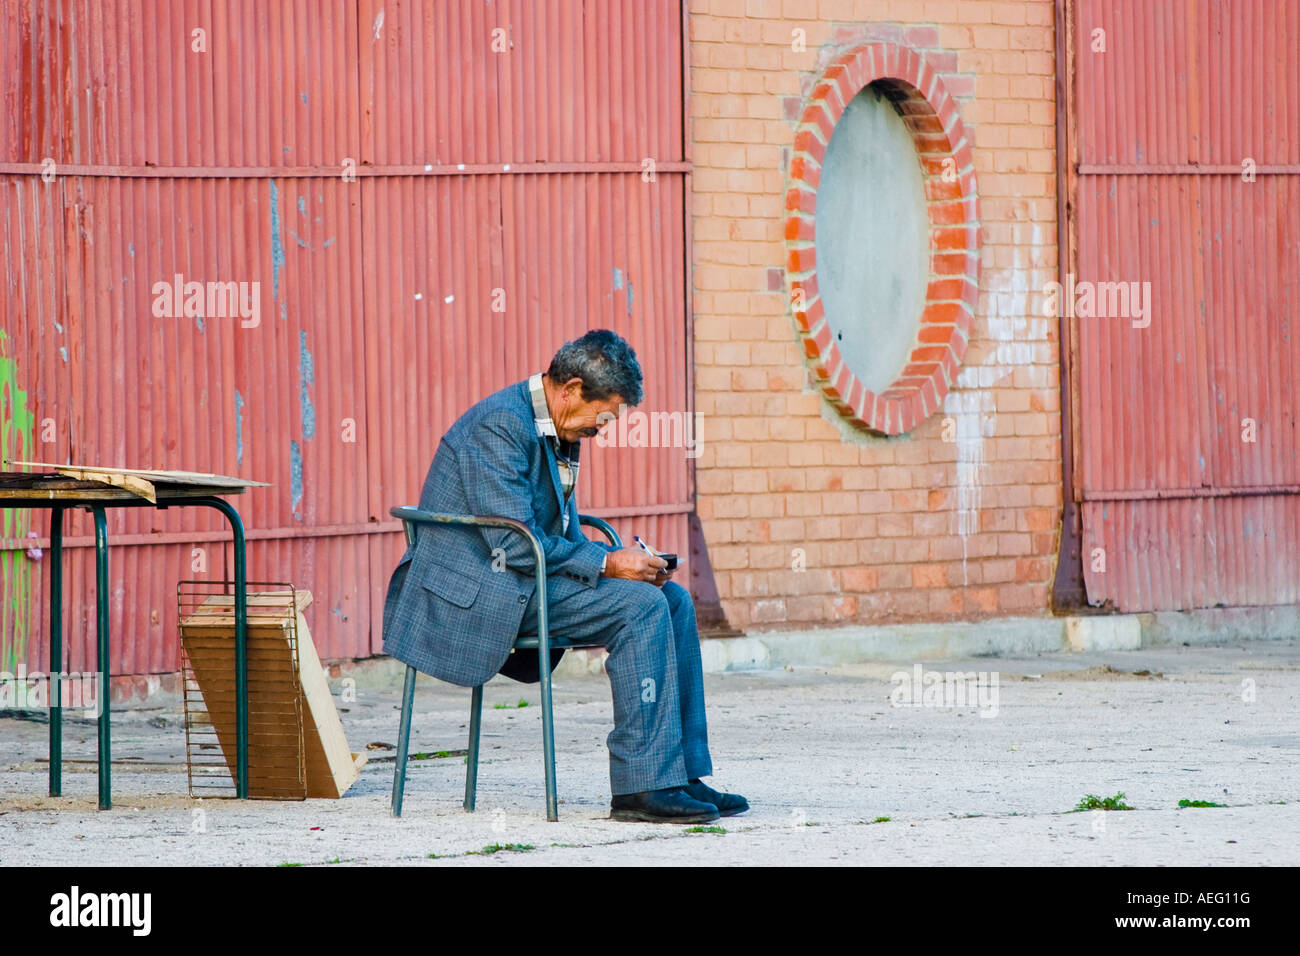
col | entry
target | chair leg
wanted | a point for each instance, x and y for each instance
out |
(548, 741)
(471, 759)
(403, 740)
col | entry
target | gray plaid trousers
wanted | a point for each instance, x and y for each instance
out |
(660, 735)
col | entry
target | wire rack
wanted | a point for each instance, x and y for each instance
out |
(276, 752)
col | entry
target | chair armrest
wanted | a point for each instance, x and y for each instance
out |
(591, 521)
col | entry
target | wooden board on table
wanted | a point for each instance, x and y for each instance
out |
(143, 481)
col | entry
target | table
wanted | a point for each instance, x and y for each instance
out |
(97, 489)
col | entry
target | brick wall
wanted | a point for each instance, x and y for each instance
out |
(960, 517)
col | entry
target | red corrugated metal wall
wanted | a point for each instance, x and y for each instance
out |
(499, 151)
(1185, 97)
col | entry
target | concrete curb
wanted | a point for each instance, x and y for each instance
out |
(827, 647)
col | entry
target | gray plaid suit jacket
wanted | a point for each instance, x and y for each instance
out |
(448, 613)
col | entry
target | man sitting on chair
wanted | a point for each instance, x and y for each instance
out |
(462, 594)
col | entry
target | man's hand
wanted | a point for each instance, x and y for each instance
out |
(633, 564)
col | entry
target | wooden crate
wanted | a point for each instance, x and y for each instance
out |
(296, 744)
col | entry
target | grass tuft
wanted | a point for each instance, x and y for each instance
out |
(499, 847)
(1093, 802)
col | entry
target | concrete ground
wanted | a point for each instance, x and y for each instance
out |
(835, 774)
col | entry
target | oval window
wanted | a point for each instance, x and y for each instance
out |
(882, 237)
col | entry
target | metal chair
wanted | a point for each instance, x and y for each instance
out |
(542, 642)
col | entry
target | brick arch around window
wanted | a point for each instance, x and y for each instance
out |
(944, 327)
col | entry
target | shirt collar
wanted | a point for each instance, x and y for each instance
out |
(541, 414)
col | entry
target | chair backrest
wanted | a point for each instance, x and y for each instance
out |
(411, 527)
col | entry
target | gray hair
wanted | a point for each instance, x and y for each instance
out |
(605, 363)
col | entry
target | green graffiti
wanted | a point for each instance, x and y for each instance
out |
(17, 431)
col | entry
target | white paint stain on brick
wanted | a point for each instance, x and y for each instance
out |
(972, 402)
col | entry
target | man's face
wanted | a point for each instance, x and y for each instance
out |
(575, 418)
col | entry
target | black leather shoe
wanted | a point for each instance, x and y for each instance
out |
(670, 805)
(728, 804)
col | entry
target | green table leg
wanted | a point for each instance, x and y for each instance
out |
(56, 651)
(101, 602)
(241, 639)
